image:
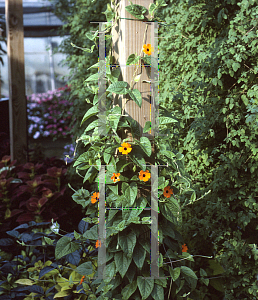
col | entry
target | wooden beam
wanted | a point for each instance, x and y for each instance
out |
(17, 98)
(127, 39)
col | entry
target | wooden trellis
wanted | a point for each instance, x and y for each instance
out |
(127, 39)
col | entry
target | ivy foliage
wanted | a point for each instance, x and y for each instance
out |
(209, 81)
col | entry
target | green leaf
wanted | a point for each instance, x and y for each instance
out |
(62, 294)
(175, 273)
(122, 263)
(94, 66)
(145, 144)
(147, 126)
(90, 173)
(187, 255)
(92, 234)
(188, 272)
(168, 154)
(25, 281)
(85, 268)
(179, 156)
(127, 243)
(108, 152)
(203, 272)
(166, 120)
(132, 59)
(136, 10)
(162, 282)
(113, 120)
(92, 125)
(65, 246)
(76, 235)
(91, 36)
(84, 49)
(139, 255)
(128, 290)
(93, 77)
(119, 87)
(157, 292)
(236, 66)
(91, 112)
(48, 240)
(161, 3)
(171, 210)
(120, 226)
(110, 271)
(115, 73)
(218, 284)
(131, 192)
(216, 267)
(205, 281)
(145, 286)
(152, 8)
(136, 96)
(138, 159)
(190, 277)
(80, 196)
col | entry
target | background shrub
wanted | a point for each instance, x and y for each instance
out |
(209, 81)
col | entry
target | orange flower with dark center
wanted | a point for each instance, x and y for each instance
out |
(167, 191)
(95, 198)
(82, 279)
(115, 177)
(125, 149)
(98, 244)
(184, 248)
(148, 49)
(144, 175)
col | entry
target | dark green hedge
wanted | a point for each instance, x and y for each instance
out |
(208, 75)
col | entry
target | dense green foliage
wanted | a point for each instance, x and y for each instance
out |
(208, 80)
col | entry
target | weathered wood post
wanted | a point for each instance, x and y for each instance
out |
(17, 98)
(128, 37)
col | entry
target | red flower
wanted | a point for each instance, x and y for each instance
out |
(82, 279)
(98, 244)
(184, 248)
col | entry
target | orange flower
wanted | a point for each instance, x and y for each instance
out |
(94, 198)
(145, 176)
(98, 244)
(148, 49)
(167, 191)
(115, 177)
(82, 279)
(125, 149)
(184, 248)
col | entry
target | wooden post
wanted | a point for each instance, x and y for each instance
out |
(127, 39)
(17, 98)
